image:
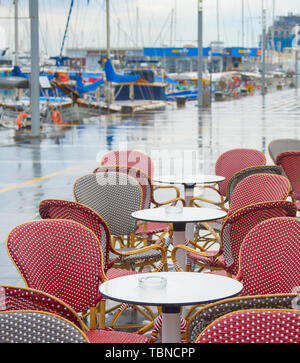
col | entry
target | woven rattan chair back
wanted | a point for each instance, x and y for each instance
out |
(270, 257)
(114, 196)
(235, 160)
(290, 163)
(13, 298)
(259, 188)
(59, 257)
(143, 179)
(238, 224)
(38, 327)
(278, 146)
(254, 326)
(133, 158)
(209, 313)
(240, 175)
(63, 209)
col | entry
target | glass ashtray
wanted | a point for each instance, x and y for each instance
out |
(174, 209)
(153, 282)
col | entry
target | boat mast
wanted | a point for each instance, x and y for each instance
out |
(263, 47)
(108, 52)
(35, 71)
(16, 7)
(200, 53)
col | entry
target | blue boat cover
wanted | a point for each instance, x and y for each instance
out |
(16, 72)
(112, 76)
(81, 88)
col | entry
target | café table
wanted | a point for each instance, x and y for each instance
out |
(179, 217)
(170, 290)
(189, 182)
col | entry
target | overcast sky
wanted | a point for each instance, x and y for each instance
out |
(142, 22)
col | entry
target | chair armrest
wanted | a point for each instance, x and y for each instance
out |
(172, 201)
(218, 204)
(188, 249)
(156, 187)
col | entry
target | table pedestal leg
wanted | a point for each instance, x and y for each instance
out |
(171, 324)
(179, 239)
(188, 195)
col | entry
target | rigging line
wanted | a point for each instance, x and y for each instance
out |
(162, 29)
(224, 25)
(67, 27)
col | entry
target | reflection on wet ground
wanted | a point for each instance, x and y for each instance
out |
(33, 170)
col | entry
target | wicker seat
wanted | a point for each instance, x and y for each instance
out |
(278, 146)
(115, 196)
(269, 260)
(38, 327)
(14, 298)
(206, 315)
(146, 232)
(233, 231)
(239, 176)
(254, 326)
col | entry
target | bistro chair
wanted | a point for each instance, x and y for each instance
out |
(14, 298)
(269, 258)
(278, 146)
(146, 232)
(129, 158)
(62, 209)
(252, 189)
(63, 258)
(290, 163)
(240, 175)
(207, 314)
(38, 327)
(228, 164)
(233, 232)
(115, 196)
(254, 326)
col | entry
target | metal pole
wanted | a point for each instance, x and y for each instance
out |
(200, 53)
(35, 69)
(107, 29)
(16, 5)
(296, 67)
(263, 44)
(243, 24)
(108, 89)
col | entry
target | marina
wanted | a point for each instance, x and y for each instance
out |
(152, 197)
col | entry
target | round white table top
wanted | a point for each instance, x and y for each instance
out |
(188, 215)
(182, 288)
(189, 179)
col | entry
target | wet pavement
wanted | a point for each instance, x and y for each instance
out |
(33, 170)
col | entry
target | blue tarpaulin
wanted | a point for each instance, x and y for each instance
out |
(112, 76)
(81, 88)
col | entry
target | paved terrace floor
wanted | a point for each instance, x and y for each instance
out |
(33, 170)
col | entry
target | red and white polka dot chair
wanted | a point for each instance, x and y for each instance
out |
(290, 163)
(207, 314)
(62, 209)
(228, 164)
(15, 299)
(129, 158)
(233, 232)
(62, 258)
(259, 188)
(254, 326)
(269, 260)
